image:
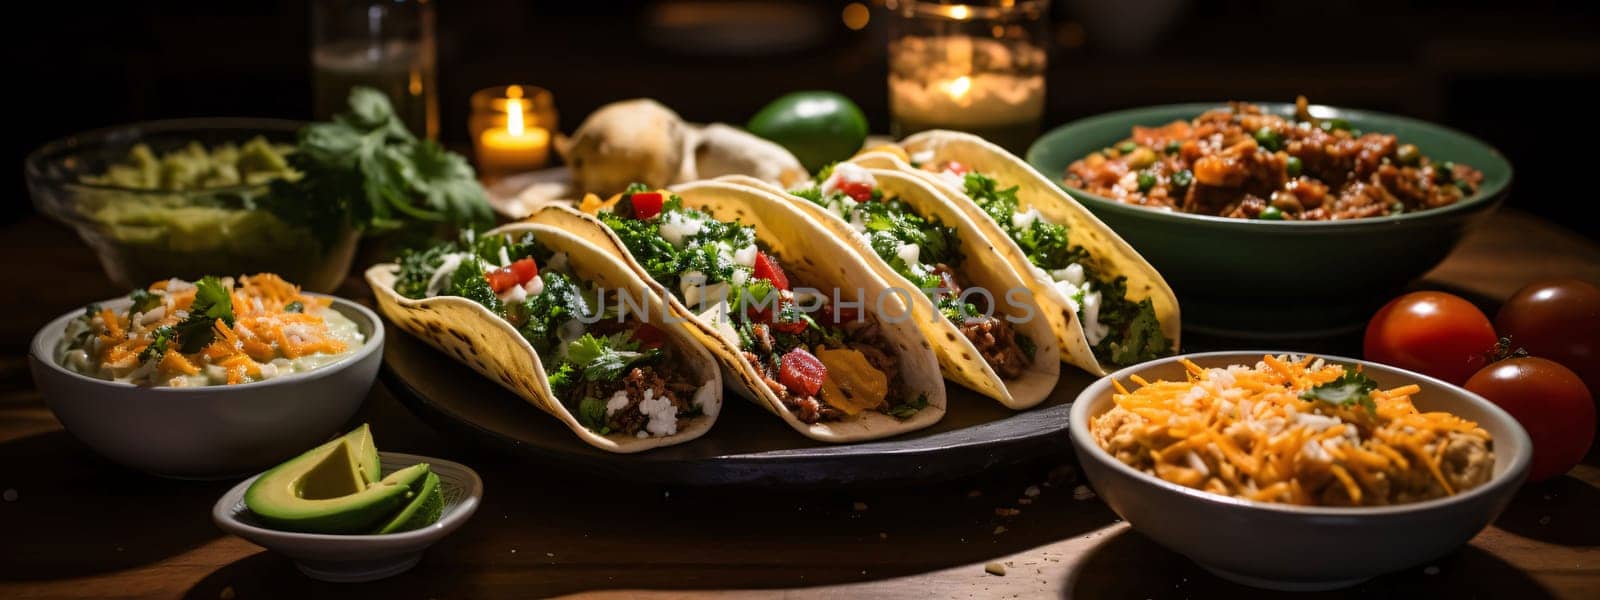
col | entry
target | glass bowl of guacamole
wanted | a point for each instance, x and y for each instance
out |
(187, 198)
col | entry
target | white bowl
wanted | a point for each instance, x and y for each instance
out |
(212, 432)
(355, 558)
(1301, 548)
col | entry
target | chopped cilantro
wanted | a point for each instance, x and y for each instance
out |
(212, 302)
(143, 301)
(295, 307)
(542, 315)
(606, 358)
(159, 340)
(908, 409)
(416, 269)
(1352, 388)
(592, 414)
(468, 282)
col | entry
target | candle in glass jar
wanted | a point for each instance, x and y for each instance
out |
(937, 87)
(518, 146)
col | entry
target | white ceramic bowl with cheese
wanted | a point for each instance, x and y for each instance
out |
(1301, 548)
(210, 432)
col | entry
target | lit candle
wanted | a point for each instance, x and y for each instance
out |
(519, 145)
(976, 68)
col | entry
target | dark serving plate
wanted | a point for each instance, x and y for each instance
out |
(748, 446)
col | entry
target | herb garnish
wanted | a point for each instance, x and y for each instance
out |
(212, 302)
(1352, 388)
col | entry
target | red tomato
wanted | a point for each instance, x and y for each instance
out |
(1550, 402)
(525, 269)
(645, 204)
(802, 373)
(861, 191)
(1430, 332)
(501, 279)
(1558, 319)
(957, 168)
(767, 268)
(648, 336)
(796, 326)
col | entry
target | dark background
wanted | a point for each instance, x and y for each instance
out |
(1517, 73)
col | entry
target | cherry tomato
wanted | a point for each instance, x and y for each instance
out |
(501, 279)
(1430, 332)
(860, 191)
(767, 268)
(802, 373)
(646, 204)
(648, 336)
(525, 269)
(1550, 402)
(1558, 319)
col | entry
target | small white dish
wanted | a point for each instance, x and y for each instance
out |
(357, 558)
(211, 432)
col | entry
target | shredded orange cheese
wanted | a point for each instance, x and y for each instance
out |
(263, 330)
(1247, 432)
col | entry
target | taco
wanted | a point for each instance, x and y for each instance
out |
(564, 325)
(801, 327)
(989, 332)
(1108, 306)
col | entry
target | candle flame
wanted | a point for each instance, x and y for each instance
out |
(958, 87)
(514, 124)
(960, 12)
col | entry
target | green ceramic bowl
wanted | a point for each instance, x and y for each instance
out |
(1283, 279)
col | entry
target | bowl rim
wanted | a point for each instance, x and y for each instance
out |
(228, 520)
(1078, 429)
(39, 351)
(1486, 195)
(33, 163)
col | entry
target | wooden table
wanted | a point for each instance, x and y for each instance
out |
(78, 526)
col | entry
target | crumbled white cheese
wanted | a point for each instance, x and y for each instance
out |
(678, 227)
(911, 253)
(513, 295)
(1072, 274)
(663, 416)
(1092, 328)
(616, 402)
(1025, 219)
(745, 256)
(952, 178)
(847, 173)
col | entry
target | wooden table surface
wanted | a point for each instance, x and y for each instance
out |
(73, 525)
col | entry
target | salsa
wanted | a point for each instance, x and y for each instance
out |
(1242, 162)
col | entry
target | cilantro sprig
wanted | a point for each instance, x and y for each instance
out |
(1353, 388)
(212, 302)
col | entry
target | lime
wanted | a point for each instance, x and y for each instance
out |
(819, 128)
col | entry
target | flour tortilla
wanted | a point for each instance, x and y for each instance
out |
(811, 257)
(482, 340)
(1112, 255)
(983, 267)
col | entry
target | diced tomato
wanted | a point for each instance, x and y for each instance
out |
(646, 204)
(501, 279)
(861, 191)
(957, 168)
(525, 269)
(648, 336)
(767, 268)
(762, 312)
(802, 373)
(790, 327)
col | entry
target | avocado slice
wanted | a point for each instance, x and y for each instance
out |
(425, 508)
(366, 453)
(318, 492)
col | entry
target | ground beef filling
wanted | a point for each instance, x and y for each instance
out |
(1240, 162)
(676, 388)
(996, 340)
(862, 335)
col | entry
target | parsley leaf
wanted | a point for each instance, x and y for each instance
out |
(159, 340)
(561, 379)
(212, 302)
(143, 301)
(606, 358)
(468, 282)
(1352, 388)
(592, 414)
(906, 410)
(366, 171)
